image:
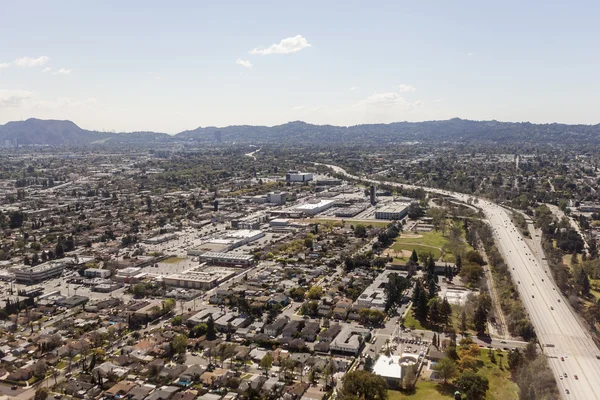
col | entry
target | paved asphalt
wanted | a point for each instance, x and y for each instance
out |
(570, 349)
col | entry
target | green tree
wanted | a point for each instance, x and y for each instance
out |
(445, 312)
(363, 385)
(463, 322)
(211, 332)
(474, 386)
(446, 369)
(414, 257)
(480, 319)
(41, 393)
(314, 293)
(266, 363)
(179, 344)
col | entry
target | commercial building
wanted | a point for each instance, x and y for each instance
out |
(227, 241)
(394, 368)
(39, 273)
(277, 197)
(350, 340)
(227, 259)
(392, 211)
(296, 176)
(96, 273)
(128, 275)
(202, 278)
(251, 223)
(160, 238)
(313, 207)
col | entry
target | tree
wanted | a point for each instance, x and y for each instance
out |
(480, 319)
(41, 393)
(445, 312)
(434, 312)
(463, 322)
(446, 369)
(515, 360)
(363, 385)
(360, 231)
(415, 211)
(211, 332)
(179, 344)
(414, 257)
(314, 293)
(474, 386)
(266, 363)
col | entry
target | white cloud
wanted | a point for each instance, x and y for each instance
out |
(469, 54)
(353, 88)
(31, 62)
(4, 65)
(13, 98)
(438, 100)
(404, 88)
(47, 69)
(296, 108)
(244, 63)
(384, 99)
(286, 46)
(65, 102)
(63, 71)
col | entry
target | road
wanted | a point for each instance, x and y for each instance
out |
(554, 321)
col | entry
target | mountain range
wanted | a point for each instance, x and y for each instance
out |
(59, 133)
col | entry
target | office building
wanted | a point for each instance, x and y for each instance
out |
(39, 273)
(392, 211)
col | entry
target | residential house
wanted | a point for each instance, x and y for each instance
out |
(279, 298)
(342, 308)
(310, 331)
(292, 328)
(120, 389)
(164, 393)
(330, 333)
(276, 327)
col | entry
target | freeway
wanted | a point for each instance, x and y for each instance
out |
(573, 356)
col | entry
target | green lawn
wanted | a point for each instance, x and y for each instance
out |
(433, 242)
(501, 385)
(411, 322)
(426, 390)
(173, 260)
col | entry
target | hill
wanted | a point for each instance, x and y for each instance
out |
(55, 133)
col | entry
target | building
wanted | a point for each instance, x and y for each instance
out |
(226, 241)
(39, 273)
(160, 238)
(374, 294)
(329, 182)
(73, 301)
(350, 340)
(201, 278)
(373, 195)
(128, 275)
(250, 223)
(392, 211)
(279, 223)
(589, 207)
(277, 197)
(276, 327)
(96, 273)
(227, 259)
(296, 176)
(394, 368)
(315, 206)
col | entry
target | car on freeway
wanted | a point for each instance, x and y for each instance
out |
(566, 375)
(567, 391)
(551, 308)
(532, 296)
(562, 359)
(576, 378)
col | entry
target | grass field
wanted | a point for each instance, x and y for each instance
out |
(426, 242)
(173, 260)
(501, 385)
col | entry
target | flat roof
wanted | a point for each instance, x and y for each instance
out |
(231, 256)
(313, 205)
(393, 208)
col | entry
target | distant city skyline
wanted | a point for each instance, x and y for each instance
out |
(134, 66)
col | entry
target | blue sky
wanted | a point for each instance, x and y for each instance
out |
(171, 66)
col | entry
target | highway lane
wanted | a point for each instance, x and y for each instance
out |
(570, 349)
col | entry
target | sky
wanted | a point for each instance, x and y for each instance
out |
(169, 66)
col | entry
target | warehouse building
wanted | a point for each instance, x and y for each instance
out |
(227, 241)
(313, 207)
(202, 278)
(392, 211)
(227, 259)
(96, 273)
(39, 273)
